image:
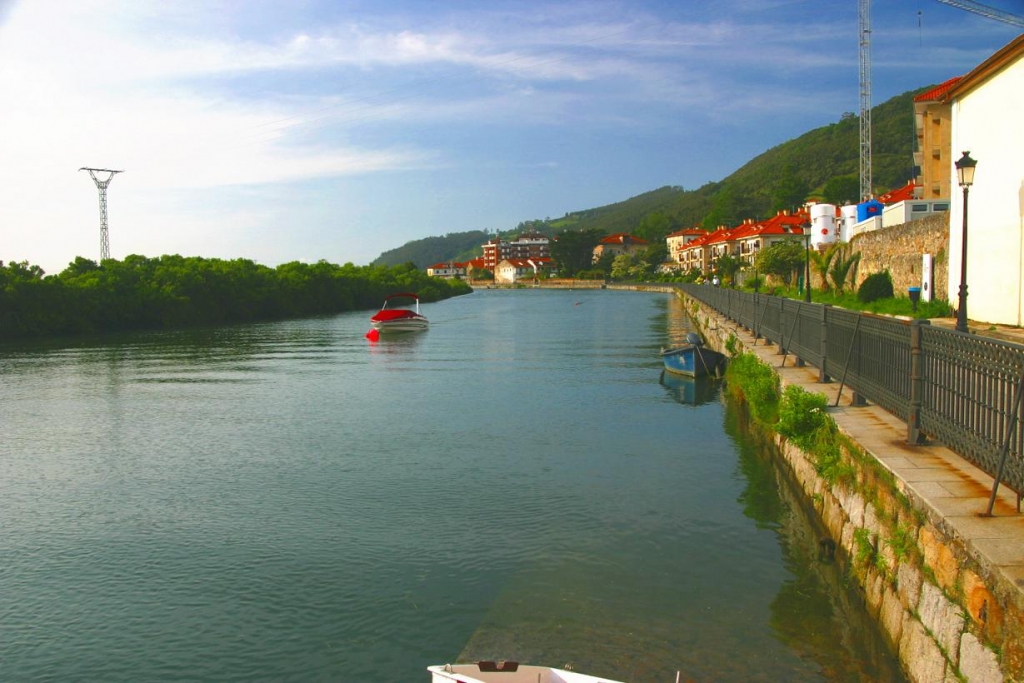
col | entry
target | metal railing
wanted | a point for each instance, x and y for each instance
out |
(962, 390)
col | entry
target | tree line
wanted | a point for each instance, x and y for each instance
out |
(173, 291)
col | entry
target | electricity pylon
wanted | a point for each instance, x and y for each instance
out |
(866, 190)
(101, 185)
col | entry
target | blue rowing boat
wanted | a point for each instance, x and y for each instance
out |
(693, 360)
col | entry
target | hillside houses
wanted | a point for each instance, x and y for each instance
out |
(699, 249)
(618, 244)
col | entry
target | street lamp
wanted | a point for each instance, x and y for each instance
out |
(965, 175)
(807, 263)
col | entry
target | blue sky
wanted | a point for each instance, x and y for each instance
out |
(338, 129)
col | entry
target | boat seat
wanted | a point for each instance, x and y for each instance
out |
(488, 665)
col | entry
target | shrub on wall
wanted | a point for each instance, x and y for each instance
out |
(876, 286)
(757, 383)
(801, 414)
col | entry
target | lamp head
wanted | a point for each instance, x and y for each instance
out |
(965, 170)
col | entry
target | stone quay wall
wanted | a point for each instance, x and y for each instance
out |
(899, 249)
(947, 616)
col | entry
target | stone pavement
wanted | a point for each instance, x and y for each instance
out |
(942, 483)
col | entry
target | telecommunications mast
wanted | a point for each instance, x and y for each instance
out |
(101, 185)
(865, 100)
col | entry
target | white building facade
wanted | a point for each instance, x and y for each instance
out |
(987, 106)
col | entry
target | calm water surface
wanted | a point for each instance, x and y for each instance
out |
(291, 502)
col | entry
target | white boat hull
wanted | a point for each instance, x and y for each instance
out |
(401, 325)
(471, 673)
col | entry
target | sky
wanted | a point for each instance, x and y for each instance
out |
(303, 130)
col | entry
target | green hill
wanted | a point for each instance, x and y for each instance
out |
(458, 246)
(821, 163)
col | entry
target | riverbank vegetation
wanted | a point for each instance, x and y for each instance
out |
(175, 291)
(802, 418)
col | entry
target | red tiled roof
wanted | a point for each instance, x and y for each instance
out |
(622, 238)
(901, 195)
(685, 232)
(938, 91)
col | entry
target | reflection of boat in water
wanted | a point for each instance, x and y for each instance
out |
(692, 359)
(694, 391)
(507, 672)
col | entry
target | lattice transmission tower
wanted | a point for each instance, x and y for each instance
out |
(865, 99)
(101, 185)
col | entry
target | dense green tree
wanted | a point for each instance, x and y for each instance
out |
(573, 250)
(656, 253)
(844, 189)
(781, 259)
(653, 227)
(789, 192)
(726, 267)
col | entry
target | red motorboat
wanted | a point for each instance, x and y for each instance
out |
(392, 318)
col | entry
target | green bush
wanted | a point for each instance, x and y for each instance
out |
(757, 383)
(801, 414)
(876, 286)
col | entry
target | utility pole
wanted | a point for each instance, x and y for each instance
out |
(865, 99)
(101, 185)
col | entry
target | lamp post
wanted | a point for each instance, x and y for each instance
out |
(965, 175)
(807, 263)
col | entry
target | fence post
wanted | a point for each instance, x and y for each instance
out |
(781, 351)
(823, 377)
(914, 436)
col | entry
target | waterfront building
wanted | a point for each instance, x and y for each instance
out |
(742, 242)
(678, 240)
(782, 226)
(617, 244)
(510, 271)
(986, 105)
(447, 270)
(530, 245)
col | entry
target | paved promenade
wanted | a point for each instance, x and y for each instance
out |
(938, 479)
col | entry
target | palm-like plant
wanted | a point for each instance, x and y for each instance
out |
(842, 264)
(821, 261)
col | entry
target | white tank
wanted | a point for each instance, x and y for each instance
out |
(848, 221)
(823, 225)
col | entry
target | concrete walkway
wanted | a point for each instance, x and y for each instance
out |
(939, 481)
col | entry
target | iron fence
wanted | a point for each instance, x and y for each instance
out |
(962, 390)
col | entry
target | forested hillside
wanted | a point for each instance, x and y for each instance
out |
(823, 164)
(430, 250)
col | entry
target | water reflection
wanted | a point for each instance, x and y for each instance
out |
(815, 612)
(691, 391)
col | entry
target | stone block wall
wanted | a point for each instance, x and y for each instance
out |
(948, 617)
(899, 249)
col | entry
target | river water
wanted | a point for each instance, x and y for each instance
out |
(289, 501)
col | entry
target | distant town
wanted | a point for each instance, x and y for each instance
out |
(698, 252)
